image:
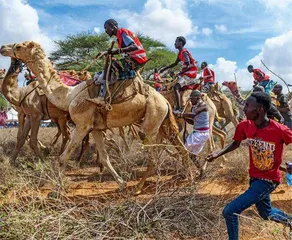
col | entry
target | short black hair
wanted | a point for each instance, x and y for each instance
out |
(204, 63)
(112, 22)
(258, 89)
(195, 93)
(278, 86)
(263, 99)
(250, 66)
(182, 40)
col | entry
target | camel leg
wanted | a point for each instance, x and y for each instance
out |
(122, 134)
(56, 137)
(62, 122)
(35, 125)
(104, 158)
(77, 136)
(23, 130)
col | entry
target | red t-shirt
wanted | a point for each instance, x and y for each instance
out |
(265, 147)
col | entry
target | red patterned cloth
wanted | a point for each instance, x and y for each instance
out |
(190, 87)
(68, 80)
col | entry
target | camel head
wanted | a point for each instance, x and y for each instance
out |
(232, 86)
(25, 51)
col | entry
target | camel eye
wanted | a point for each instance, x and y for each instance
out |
(18, 47)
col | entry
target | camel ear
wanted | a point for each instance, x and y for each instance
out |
(30, 45)
(4, 70)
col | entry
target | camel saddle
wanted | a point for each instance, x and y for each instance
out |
(120, 90)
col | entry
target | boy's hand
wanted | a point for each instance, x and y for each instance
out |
(211, 157)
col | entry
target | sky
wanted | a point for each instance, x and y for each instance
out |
(228, 34)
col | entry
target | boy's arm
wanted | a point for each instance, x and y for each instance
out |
(232, 146)
(170, 66)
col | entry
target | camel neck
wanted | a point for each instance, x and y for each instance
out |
(10, 88)
(50, 82)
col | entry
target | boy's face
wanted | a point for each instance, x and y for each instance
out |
(109, 29)
(252, 109)
(195, 100)
(177, 44)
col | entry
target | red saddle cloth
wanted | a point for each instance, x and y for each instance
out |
(68, 80)
(190, 87)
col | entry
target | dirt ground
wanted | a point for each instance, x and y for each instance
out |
(211, 193)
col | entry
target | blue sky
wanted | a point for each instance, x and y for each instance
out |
(228, 34)
(245, 25)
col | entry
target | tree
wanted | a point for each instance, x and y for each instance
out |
(77, 51)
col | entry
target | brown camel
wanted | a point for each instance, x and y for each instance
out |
(240, 101)
(223, 104)
(32, 108)
(144, 103)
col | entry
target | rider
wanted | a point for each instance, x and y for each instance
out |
(208, 77)
(188, 71)
(157, 80)
(129, 45)
(260, 77)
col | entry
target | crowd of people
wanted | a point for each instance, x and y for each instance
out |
(265, 136)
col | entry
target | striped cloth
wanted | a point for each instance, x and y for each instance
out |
(68, 80)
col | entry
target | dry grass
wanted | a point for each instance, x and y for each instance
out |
(167, 209)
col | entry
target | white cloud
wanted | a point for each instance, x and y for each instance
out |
(207, 31)
(276, 53)
(96, 30)
(221, 28)
(161, 19)
(225, 70)
(80, 3)
(276, 4)
(18, 23)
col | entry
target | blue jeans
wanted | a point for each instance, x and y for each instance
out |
(259, 194)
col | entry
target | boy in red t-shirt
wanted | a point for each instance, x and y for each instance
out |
(265, 138)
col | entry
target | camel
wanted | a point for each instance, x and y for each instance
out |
(144, 104)
(240, 101)
(223, 105)
(32, 108)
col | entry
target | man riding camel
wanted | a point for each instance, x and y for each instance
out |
(208, 77)
(188, 70)
(157, 80)
(129, 45)
(261, 79)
